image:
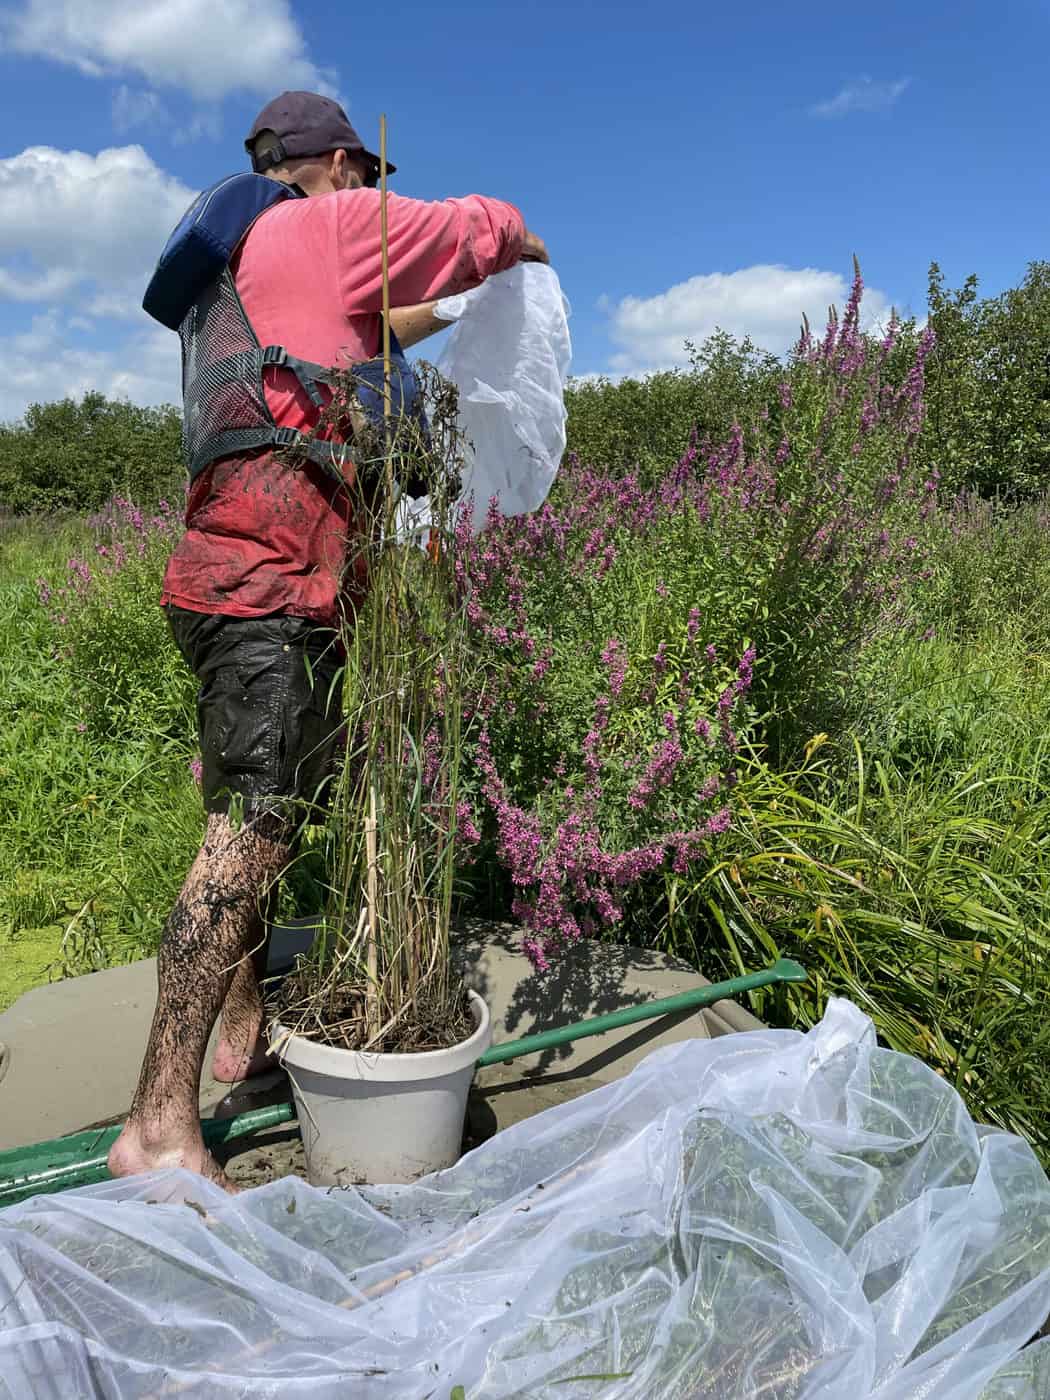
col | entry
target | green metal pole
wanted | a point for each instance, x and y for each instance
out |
(783, 971)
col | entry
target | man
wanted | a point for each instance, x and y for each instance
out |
(252, 589)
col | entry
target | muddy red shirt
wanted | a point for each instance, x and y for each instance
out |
(262, 536)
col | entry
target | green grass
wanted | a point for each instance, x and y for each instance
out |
(909, 869)
(97, 832)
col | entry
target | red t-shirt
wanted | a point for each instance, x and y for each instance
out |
(262, 536)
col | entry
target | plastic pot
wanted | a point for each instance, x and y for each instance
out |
(380, 1118)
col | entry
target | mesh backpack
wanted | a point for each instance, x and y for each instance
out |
(223, 362)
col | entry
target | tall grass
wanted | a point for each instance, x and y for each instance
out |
(98, 825)
(379, 976)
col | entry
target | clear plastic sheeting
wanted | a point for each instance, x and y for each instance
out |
(762, 1216)
(508, 355)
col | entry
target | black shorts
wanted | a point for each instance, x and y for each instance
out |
(269, 710)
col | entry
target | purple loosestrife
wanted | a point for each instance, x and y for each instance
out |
(568, 876)
(783, 545)
(745, 672)
(614, 659)
(466, 825)
(81, 574)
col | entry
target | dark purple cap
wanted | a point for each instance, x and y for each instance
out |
(307, 124)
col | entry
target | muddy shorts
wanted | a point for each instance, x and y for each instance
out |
(269, 711)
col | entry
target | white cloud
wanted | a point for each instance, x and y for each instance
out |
(206, 48)
(48, 362)
(592, 376)
(136, 107)
(765, 302)
(80, 234)
(861, 95)
(82, 228)
(23, 285)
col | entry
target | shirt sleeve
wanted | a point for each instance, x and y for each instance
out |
(435, 249)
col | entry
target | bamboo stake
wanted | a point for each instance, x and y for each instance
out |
(385, 255)
(372, 1010)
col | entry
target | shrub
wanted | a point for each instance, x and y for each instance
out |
(641, 425)
(100, 822)
(76, 455)
(988, 390)
(992, 570)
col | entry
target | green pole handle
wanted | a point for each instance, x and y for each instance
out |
(785, 970)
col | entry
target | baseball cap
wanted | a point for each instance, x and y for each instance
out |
(307, 124)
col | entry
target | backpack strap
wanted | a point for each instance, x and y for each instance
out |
(225, 412)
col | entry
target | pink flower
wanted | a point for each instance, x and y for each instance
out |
(465, 824)
(614, 659)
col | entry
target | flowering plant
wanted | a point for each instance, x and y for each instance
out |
(129, 678)
(633, 634)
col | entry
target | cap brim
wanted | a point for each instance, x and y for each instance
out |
(374, 159)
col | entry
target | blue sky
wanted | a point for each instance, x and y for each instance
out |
(689, 165)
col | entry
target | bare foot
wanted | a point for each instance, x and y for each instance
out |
(132, 1154)
(233, 1062)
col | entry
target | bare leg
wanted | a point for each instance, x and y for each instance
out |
(242, 1048)
(206, 937)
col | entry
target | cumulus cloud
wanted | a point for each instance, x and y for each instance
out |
(765, 302)
(84, 229)
(204, 48)
(861, 95)
(79, 235)
(57, 357)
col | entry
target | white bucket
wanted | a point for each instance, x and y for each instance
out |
(380, 1118)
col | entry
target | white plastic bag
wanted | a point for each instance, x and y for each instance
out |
(508, 354)
(763, 1216)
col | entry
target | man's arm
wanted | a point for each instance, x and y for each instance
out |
(436, 249)
(411, 324)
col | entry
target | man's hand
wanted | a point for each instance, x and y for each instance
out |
(534, 249)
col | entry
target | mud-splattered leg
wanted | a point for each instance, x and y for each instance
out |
(208, 934)
(241, 1050)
